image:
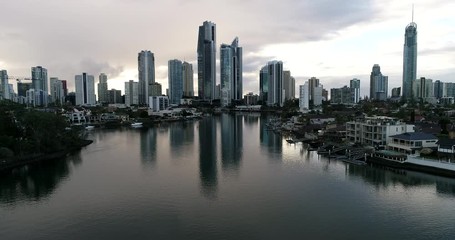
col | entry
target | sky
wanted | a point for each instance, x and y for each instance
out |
(332, 40)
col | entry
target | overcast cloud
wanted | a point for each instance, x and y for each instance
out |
(332, 40)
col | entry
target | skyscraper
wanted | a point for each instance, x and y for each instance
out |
(304, 97)
(188, 89)
(231, 72)
(85, 89)
(409, 59)
(423, 89)
(146, 68)
(438, 89)
(378, 84)
(4, 90)
(103, 96)
(264, 84)
(57, 93)
(175, 81)
(206, 59)
(275, 81)
(39, 81)
(355, 84)
(288, 85)
(131, 93)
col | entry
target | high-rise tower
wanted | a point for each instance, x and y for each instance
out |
(85, 89)
(378, 84)
(206, 59)
(175, 77)
(146, 68)
(39, 81)
(231, 72)
(103, 96)
(409, 58)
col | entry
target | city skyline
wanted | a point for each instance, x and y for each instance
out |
(312, 39)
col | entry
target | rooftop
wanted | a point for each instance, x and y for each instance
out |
(412, 136)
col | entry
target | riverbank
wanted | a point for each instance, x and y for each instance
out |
(15, 162)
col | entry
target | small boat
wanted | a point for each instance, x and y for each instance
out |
(89, 127)
(290, 141)
(136, 125)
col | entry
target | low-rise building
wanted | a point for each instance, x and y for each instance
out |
(412, 142)
(375, 131)
(158, 103)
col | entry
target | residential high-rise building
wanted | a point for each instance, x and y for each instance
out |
(22, 88)
(131, 93)
(155, 89)
(231, 72)
(304, 97)
(188, 80)
(449, 89)
(378, 84)
(438, 89)
(39, 80)
(344, 95)
(115, 96)
(288, 85)
(102, 89)
(423, 89)
(206, 59)
(175, 81)
(4, 89)
(264, 84)
(275, 77)
(355, 84)
(85, 89)
(396, 92)
(409, 59)
(312, 83)
(65, 88)
(57, 93)
(146, 69)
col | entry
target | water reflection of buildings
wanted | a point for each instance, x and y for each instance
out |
(148, 146)
(208, 156)
(381, 177)
(271, 141)
(231, 141)
(180, 135)
(35, 182)
(251, 119)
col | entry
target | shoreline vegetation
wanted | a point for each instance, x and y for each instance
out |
(30, 136)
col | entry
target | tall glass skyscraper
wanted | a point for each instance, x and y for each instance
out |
(4, 91)
(275, 77)
(175, 78)
(409, 60)
(85, 89)
(264, 84)
(206, 61)
(39, 81)
(231, 72)
(355, 84)
(146, 68)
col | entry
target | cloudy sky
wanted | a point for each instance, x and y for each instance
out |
(333, 40)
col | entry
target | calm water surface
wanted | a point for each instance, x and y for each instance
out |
(223, 177)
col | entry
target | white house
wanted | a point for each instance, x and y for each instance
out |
(412, 142)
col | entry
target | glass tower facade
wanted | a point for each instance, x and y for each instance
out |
(409, 60)
(206, 61)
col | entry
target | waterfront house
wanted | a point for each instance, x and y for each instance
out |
(375, 131)
(446, 147)
(412, 142)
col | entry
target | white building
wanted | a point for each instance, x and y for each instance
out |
(375, 131)
(411, 143)
(35, 97)
(85, 89)
(131, 93)
(158, 103)
(304, 98)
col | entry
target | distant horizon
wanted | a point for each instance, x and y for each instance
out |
(312, 39)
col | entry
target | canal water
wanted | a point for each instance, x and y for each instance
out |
(222, 177)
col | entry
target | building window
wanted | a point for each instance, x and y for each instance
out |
(418, 144)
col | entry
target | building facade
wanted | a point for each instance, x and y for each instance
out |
(175, 81)
(344, 95)
(146, 70)
(378, 84)
(304, 97)
(288, 85)
(57, 93)
(40, 82)
(423, 90)
(102, 89)
(4, 90)
(188, 80)
(231, 73)
(275, 81)
(264, 84)
(206, 61)
(409, 60)
(158, 103)
(85, 89)
(375, 131)
(131, 93)
(438, 89)
(355, 84)
(115, 96)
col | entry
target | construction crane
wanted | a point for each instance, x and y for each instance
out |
(19, 79)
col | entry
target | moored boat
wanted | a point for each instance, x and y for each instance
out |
(136, 125)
